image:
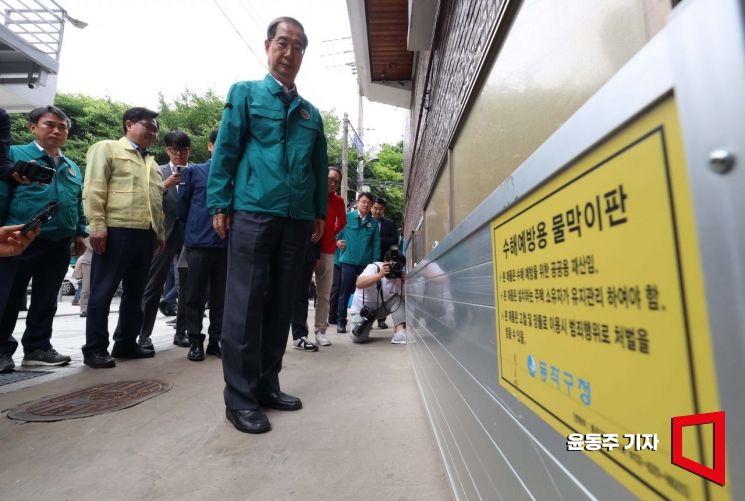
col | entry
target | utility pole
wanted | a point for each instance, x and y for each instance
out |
(360, 133)
(345, 158)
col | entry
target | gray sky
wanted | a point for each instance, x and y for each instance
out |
(134, 49)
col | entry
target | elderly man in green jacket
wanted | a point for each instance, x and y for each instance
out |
(47, 258)
(268, 189)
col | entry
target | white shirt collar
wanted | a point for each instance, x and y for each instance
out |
(136, 146)
(294, 87)
(57, 159)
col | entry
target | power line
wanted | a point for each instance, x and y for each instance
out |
(352, 67)
(336, 39)
(252, 15)
(262, 63)
(334, 53)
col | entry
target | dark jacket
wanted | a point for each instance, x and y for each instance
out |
(174, 231)
(192, 208)
(388, 235)
(5, 163)
(268, 159)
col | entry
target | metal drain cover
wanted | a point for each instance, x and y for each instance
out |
(15, 376)
(97, 399)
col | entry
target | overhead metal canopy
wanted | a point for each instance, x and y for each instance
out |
(379, 35)
(31, 33)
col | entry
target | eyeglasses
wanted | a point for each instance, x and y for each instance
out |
(179, 151)
(333, 181)
(152, 127)
(283, 44)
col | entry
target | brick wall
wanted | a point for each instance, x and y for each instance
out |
(464, 31)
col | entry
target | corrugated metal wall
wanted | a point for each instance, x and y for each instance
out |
(493, 446)
(489, 452)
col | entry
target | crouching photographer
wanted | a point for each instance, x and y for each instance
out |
(380, 292)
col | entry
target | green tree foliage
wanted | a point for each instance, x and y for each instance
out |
(195, 115)
(383, 171)
(384, 175)
(332, 130)
(19, 131)
(332, 127)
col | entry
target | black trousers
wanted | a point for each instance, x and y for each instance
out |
(334, 296)
(127, 259)
(46, 262)
(349, 274)
(264, 258)
(157, 276)
(300, 303)
(206, 265)
(183, 279)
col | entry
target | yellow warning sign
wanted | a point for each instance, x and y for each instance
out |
(601, 313)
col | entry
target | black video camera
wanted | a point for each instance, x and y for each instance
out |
(369, 315)
(42, 217)
(396, 262)
(34, 171)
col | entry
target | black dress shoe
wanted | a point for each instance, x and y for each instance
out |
(382, 324)
(181, 339)
(280, 401)
(145, 342)
(166, 309)
(249, 421)
(6, 363)
(131, 350)
(99, 360)
(196, 352)
(341, 328)
(213, 348)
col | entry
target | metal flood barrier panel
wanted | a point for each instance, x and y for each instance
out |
(599, 292)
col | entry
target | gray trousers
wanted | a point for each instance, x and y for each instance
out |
(264, 258)
(156, 279)
(86, 287)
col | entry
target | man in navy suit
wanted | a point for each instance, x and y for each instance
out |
(178, 147)
(207, 255)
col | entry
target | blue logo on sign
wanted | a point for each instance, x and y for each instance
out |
(531, 365)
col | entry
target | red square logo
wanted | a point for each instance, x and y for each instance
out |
(715, 474)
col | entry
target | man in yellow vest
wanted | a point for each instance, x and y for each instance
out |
(123, 198)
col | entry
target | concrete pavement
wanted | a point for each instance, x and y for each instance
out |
(363, 432)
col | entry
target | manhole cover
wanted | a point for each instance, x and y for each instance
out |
(14, 377)
(89, 401)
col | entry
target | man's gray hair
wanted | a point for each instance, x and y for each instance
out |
(272, 29)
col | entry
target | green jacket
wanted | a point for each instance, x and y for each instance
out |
(268, 160)
(363, 240)
(22, 202)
